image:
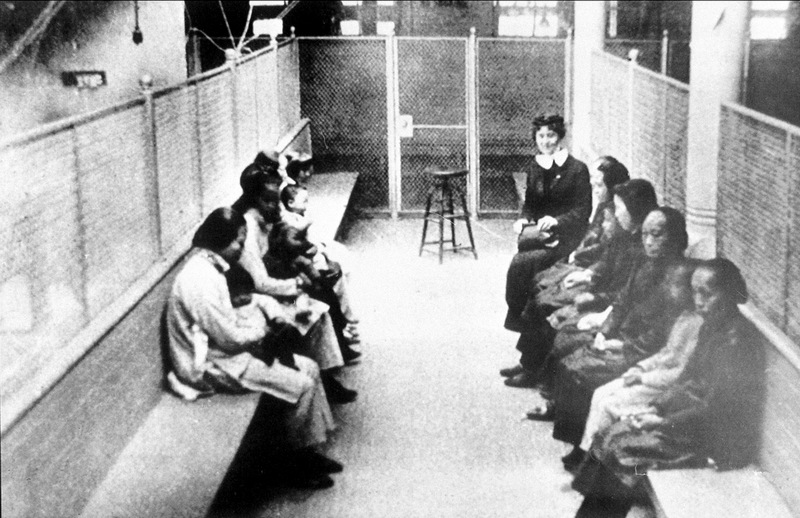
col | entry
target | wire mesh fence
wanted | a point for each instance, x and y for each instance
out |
(95, 202)
(432, 75)
(517, 80)
(757, 216)
(650, 55)
(343, 86)
(641, 118)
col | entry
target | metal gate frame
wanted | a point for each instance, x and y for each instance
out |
(472, 126)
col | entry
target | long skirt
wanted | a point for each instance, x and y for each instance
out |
(614, 401)
(627, 454)
(521, 283)
(577, 377)
(307, 419)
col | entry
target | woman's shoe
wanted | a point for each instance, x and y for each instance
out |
(573, 459)
(337, 393)
(525, 379)
(510, 372)
(543, 412)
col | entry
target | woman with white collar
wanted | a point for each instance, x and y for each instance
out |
(558, 202)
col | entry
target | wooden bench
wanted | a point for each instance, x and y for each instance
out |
(768, 489)
(176, 461)
(688, 493)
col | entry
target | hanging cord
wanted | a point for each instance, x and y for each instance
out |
(242, 41)
(225, 17)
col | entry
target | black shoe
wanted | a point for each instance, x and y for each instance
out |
(337, 393)
(349, 355)
(322, 464)
(309, 481)
(573, 459)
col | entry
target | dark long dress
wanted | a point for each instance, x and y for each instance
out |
(642, 317)
(612, 272)
(563, 192)
(711, 412)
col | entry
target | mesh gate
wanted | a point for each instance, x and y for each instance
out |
(343, 92)
(432, 90)
(517, 80)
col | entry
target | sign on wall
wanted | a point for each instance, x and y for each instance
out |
(84, 78)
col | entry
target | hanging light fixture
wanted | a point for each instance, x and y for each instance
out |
(138, 37)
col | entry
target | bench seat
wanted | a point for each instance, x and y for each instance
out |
(177, 459)
(689, 493)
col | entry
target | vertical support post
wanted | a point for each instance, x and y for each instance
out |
(151, 157)
(393, 142)
(568, 79)
(198, 153)
(278, 100)
(788, 175)
(82, 248)
(230, 58)
(745, 68)
(590, 20)
(197, 64)
(473, 144)
(719, 31)
(664, 51)
(391, 124)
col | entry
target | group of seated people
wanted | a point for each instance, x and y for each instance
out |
(262, 306)
(641, 355)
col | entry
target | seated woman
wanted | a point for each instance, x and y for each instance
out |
(555, 215)
(638, 326)
(636, 389)
(212, 349)
(260, 205)
(604, 175)
(633, 200)
(709, 413)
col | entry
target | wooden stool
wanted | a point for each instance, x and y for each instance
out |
(441, 193)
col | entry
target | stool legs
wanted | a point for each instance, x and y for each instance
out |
(446, 210)
(427, 214)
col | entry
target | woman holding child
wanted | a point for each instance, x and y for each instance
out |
(261, 207)
(213, 347)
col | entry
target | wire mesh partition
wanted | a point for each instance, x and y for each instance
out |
(518, 79)
(343, 92)
(96, 203)
(758, 226)
(641, 118)
(432, 75)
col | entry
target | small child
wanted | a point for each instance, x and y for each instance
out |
(295, 202)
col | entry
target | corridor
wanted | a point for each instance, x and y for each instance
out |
(434, 433)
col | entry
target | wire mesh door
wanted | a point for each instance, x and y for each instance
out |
(432, 106)
(343, 92)
(518, 79)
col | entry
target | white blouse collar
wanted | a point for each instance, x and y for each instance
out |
(214, 258)
(559, 157)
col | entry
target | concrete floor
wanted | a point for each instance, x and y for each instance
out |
(434, 431)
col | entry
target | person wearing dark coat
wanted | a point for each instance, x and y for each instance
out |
(633, 200)
(605, 174)
(638, 326)
(555, 214)
(707, 417)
